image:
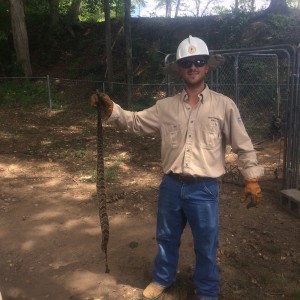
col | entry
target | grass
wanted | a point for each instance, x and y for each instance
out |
(295, 295)
(27, 93)
(79, 153)
(111, 172)
(274, 248)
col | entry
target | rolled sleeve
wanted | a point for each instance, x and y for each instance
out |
(140, 123)
(241, 143)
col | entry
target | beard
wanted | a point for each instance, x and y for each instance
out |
(193, 81)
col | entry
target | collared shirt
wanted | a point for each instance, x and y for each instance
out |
(193, 140)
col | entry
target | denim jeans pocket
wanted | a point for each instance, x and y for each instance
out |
(212, 189)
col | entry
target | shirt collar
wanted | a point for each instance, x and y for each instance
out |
(202, 96)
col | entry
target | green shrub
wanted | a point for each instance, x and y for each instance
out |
(27, 93)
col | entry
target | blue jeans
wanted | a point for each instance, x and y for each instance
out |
(197, 204)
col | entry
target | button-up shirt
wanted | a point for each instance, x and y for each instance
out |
(193, 140)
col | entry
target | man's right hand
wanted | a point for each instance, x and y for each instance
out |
(104, 101)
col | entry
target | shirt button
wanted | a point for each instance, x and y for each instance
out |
(192, 121)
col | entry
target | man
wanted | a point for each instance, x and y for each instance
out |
(195, 127)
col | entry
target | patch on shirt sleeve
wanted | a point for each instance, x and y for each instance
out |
(239, 119)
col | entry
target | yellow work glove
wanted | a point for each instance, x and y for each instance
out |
(106, 104)
(253, 190)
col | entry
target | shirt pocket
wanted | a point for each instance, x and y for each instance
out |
(211, 135)
(173, 135)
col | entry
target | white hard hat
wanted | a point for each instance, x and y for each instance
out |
(190, 47)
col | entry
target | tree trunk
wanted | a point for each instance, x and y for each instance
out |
(197, 2)
(74, 12)
(236, 5)
(109, 65)
(252, 5)
(72, 18)
(20, 35)
(278, 7)
(178, 6)
(127, 26)
(206, 7)
(54, 12)
(168, 8)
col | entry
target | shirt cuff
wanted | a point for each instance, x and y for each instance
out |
(115, 113)
(253, 172)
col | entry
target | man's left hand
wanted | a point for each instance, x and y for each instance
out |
(252, 190)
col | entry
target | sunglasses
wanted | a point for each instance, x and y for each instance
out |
(188, 63)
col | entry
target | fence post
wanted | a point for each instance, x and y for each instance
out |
(49, 91)
(236, 79)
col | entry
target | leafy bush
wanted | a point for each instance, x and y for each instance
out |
(26, 93)
(142, 102)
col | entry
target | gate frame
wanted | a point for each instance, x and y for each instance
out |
(291, 151)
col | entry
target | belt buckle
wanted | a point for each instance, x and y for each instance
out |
(181, 177)
(187, 179)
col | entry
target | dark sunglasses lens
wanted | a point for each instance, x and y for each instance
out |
(188, 63)
(199, 63)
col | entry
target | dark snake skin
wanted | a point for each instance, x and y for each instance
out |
(101, 194)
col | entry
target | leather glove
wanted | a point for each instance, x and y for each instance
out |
(106, 104)
(215, 61)
(253, 190)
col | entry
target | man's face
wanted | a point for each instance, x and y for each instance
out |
(193, 70)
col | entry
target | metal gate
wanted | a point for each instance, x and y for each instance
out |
(264, 83)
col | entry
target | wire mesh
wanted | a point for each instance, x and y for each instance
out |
(259, 82)
(264, 83)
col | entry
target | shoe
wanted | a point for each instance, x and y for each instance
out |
(153, 291)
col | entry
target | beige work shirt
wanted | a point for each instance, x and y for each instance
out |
(193, 140)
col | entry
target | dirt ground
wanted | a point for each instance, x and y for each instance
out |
(50, 234)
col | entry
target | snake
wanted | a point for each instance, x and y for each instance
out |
(100, 184)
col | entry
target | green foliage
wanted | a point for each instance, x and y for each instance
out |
(278, 23)
(152, 38)
(141, 103)
(4, 10)
(111, 174)
(293, 3)
(295, 295)
(64, 6)
(26, 93)
(91, 11)
(40, 7)
(232, 27)
(5, 38)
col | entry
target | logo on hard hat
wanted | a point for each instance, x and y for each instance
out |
(191, 49)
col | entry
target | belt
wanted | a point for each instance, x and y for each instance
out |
(188, 179)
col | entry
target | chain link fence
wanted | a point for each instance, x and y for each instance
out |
(258, 84)
(262, 82)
